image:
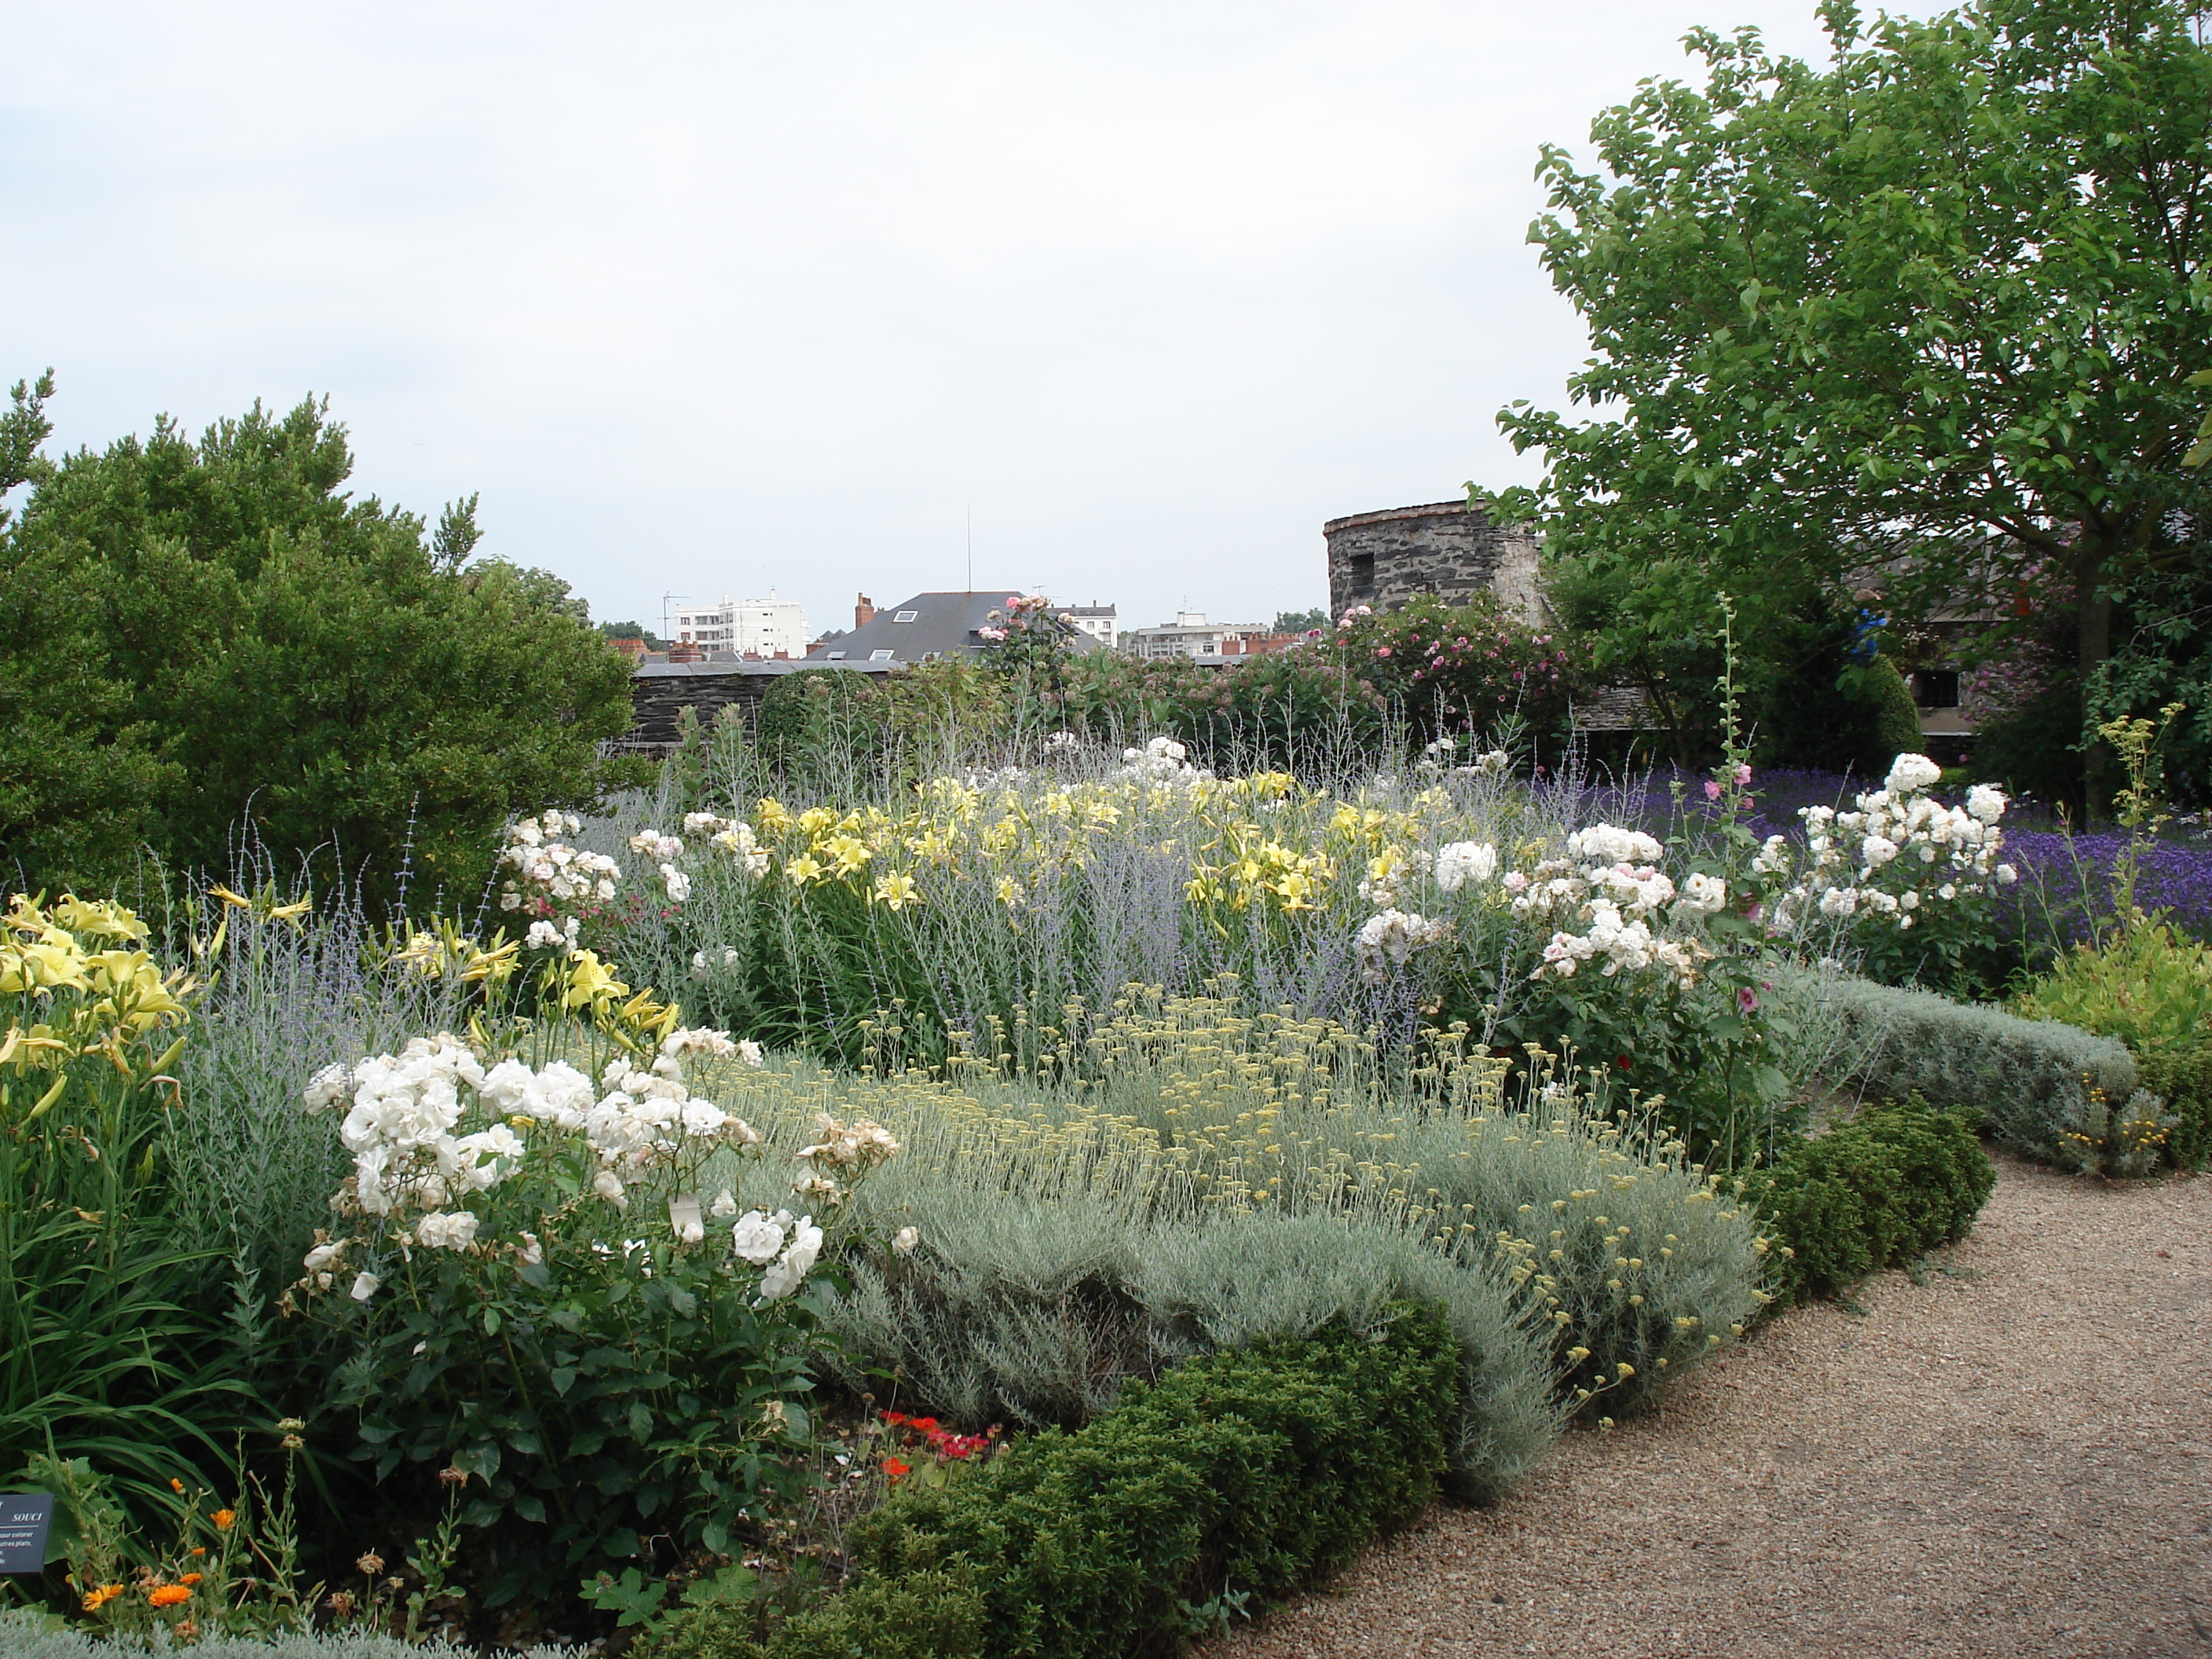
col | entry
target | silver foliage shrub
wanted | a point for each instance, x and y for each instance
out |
(1035, 1313)
(2046, 1089)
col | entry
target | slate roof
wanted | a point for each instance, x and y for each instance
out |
(943, 625)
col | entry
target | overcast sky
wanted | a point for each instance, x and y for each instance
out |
(727, 298)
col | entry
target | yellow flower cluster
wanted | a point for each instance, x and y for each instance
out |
(1263, 841)
(85, 982)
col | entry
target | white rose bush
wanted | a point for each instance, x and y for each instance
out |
(547, 1283)
(1908, 883)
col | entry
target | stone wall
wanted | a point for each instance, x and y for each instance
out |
(1445, 547)
(660, 693)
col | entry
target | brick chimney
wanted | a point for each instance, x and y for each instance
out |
(863, 611)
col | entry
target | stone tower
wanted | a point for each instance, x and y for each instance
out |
(1447, 548)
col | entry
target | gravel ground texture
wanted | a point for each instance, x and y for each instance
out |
(2005, 1454)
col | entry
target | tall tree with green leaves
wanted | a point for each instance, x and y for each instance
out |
(255, 645)
(1927, 315)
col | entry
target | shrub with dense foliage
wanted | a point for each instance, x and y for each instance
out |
(1464, 671)
(1238, 1475)
(1894, 1183)
(537, 1284)
(2049, 1090)
(2151, 986)
(199, 632)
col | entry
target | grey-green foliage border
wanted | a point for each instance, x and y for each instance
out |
(28, 1635)
(2047, 1091)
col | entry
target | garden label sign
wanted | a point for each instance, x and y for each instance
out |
(25, 1518)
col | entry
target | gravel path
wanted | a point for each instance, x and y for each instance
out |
(2013, 1463)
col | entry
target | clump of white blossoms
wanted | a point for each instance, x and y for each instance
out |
(732, 836)
(545, 936)
(1392, 873)
(1439, 754)
(1460, 862)
(1604, 897)
(1387, 940)
(1900, 850)
(664, 851)
(432, 1128)
(548, 874)
(1161, 760)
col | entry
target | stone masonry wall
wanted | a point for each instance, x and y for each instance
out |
(1445, 547)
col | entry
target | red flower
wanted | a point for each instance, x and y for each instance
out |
(896, 1470)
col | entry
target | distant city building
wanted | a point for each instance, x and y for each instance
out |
(925, 628)
(765, 628)
(1100, 620)
(1191, 636)
(1446, 548)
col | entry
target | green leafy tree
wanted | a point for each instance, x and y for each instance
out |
(257, 644)
(632, 630)
(1934, 307)
(78, 774)
(1300, 622)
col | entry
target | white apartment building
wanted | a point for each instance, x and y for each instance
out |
(1100, 620)
(1188, 635)
(766, 628)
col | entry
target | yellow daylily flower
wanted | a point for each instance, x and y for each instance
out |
(847, 853)
(897, 891)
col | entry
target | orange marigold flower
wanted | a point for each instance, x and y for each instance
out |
(100, 1597)
(190, 1578)
(167, 1596)
(224, 1519)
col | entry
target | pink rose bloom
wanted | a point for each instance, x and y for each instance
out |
(1382, 650)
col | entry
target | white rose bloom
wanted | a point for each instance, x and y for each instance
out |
(1876, 851)
(1946, 892)
(2007, 875)
(679, 884)
(322, 1255)
(365, 1285)
(724, 1206)
(1703, 894)
(1911, 772)
(532, 1252)
(1462, 862)
(904, 1241)
(326, 1088)
(438, 1231)
(608, 1185)
(756, 1238)
(703, 1117)
(750, 1052)
(1987, 802)
(788, 1274)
